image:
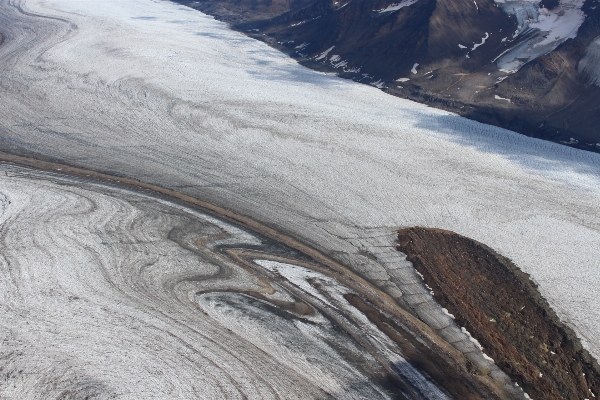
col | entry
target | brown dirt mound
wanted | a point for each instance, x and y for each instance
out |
(502, 308)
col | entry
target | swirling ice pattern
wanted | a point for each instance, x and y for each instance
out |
(108, 294)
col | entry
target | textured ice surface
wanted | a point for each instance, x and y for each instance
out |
(163, 93)
(103, 294)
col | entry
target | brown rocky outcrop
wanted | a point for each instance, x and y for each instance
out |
(502, 308)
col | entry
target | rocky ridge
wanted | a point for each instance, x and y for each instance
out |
(503, 310)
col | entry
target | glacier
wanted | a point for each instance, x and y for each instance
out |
(165, 94)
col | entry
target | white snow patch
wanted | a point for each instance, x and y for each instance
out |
(379, 84)
(340, 64)
(324, 54)
(445, 310)
(353, 69)
(501, 54)
(337, 62)
(483, 39)
(571, 141)
(397, 6)
(476, 5)
(545, 29)
(303, 22)
(414, 68)
(462, 46)
(344, 5)
(471, 338)
(500, 98)
(403, 79)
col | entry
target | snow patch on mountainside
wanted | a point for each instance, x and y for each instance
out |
(544, 29)
(397, 6)
(590, 63)
(324, 54)
(483, 39)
